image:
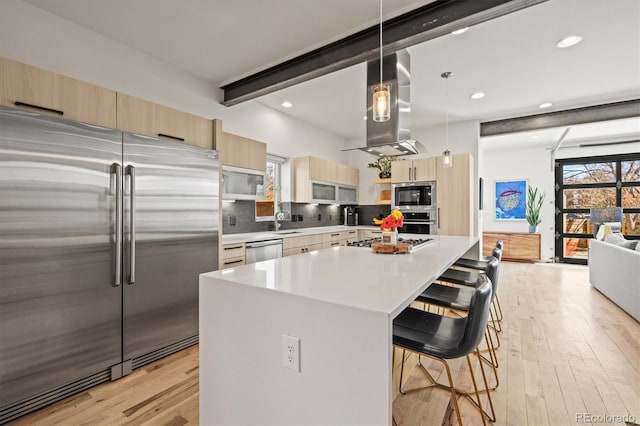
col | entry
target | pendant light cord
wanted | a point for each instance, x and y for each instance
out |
(381, 43)
(446, 76)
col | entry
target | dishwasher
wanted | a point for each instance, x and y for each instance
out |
(257, 251)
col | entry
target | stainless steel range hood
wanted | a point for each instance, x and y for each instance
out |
(392, 137)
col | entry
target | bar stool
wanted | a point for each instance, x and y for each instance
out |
(481, 265)
(459, 299)
(442, 338)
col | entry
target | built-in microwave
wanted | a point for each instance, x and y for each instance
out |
(414, 196)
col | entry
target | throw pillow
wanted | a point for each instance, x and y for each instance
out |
(614, 238)
(603, 231)
(615, 226)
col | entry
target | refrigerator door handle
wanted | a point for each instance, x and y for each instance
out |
(131, 171)
(117, 170)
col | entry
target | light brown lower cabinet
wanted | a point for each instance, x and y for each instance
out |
(518, 246)
(232, 255)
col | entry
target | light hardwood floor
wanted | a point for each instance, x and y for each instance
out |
(565, 349)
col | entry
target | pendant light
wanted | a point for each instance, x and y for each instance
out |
(381, 92)
(447, 158)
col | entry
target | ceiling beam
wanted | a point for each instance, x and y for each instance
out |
(569, 117)
(433, 20)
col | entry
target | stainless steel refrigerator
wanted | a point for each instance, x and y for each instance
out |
(102, 237)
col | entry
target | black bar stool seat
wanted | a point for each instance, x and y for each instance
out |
(458, 298)
(484, 261)
(457, 276)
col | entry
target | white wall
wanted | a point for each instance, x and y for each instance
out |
(42, 39)
(463, 138)
(533, 164)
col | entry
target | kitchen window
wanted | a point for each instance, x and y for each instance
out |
(268, 207)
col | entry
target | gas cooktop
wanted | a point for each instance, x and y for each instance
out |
(416, 243)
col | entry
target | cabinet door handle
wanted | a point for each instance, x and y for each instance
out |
(41, 108)
(414, 174)
(438, 217)
(335, 235)
(175, 138)
(232, 248)
(233, 261)
(335, 244)
(409, 173)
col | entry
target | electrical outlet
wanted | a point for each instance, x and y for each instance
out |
(291, 352)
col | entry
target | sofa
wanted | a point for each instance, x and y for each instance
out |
(614, 270)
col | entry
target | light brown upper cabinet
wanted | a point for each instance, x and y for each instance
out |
(34, 89)
(455, 196)
(246, 153)
(347, 175)
(416, 170)
(317, 180)
(136, 115)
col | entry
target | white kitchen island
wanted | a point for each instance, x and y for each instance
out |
(340, 302)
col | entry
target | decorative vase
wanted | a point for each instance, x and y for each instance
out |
(533, 229)
(390, 237)
(384, 175)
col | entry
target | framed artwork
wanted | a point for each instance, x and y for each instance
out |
(511, 198)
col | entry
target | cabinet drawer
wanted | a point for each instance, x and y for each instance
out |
(332, 237)
(232, 262)
(232, 250)
(43, 91)
(305, 241)
(367, 234)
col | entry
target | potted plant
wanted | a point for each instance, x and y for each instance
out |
(384, 165)
(535, 199)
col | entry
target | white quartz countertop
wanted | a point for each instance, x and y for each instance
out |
(271, 235)
(353, 276)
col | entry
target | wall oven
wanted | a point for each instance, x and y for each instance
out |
(414, 196)
(419, 223)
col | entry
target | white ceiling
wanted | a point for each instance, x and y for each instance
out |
(513, 59)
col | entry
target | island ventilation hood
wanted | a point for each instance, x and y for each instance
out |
(391, 137)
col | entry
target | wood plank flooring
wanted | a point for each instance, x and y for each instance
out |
(565, 349)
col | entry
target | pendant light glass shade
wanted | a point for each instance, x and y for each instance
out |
(447, 159)
(381, 103)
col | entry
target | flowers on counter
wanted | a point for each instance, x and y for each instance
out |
(393, 221)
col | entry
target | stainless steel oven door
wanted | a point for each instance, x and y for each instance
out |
(418, 228)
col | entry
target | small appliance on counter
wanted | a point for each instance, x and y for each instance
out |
(350, 216)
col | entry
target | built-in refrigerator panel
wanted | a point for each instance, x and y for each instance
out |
(174, 188)
(60, 305)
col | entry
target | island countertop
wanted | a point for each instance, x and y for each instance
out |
(338, 306)
(354, 276)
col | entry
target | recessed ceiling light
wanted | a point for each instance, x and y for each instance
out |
(370, 150)
(287, 104)
(569, 41)
(381, 154)
(477, 95)
(534, 136)
(545, 105)
(460, 31)
(395, 146)
(364, 118)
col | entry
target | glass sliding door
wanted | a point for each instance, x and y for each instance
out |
(593, 182)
